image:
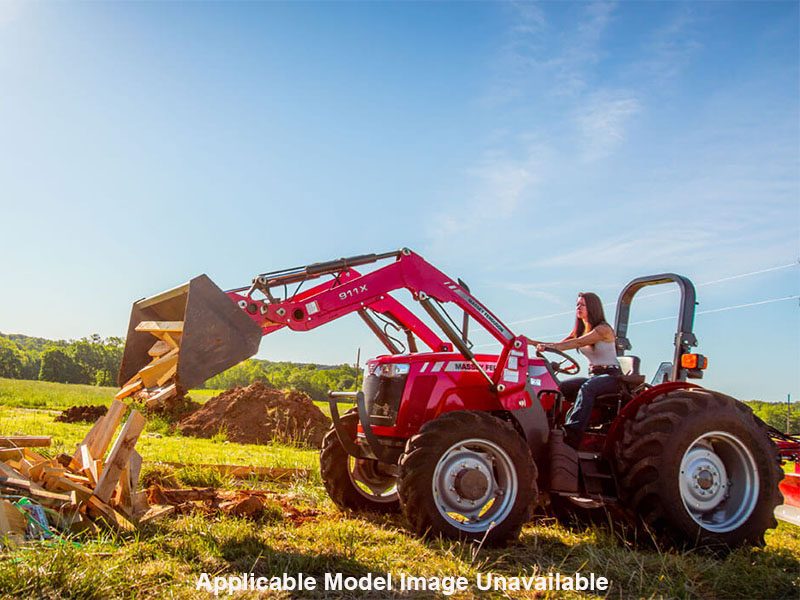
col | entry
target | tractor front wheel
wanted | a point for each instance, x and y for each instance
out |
(699, 468)
(467, 475)
(355, 483)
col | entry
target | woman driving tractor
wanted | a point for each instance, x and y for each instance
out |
(593, 337)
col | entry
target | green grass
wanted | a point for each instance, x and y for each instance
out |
(165, 558)
(155, 445)
(58, 396)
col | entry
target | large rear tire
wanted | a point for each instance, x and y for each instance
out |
(467, 475)
(355, 484)
(698, 468)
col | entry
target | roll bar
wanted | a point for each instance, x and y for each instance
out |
(684, 337)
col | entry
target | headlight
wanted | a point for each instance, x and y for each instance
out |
(390, 369)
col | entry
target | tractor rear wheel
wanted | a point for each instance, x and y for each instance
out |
(467, 475)
(355, 483)
(699, 468)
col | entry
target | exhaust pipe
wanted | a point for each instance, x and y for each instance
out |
(217, 334)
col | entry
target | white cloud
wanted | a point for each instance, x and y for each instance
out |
(602, 120)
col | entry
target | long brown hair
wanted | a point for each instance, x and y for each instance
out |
(594, 313)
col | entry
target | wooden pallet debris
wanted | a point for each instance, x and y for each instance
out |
(94, 486)
(155, 383)
(24, 441)
(242, 502)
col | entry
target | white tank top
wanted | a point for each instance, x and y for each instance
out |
(602, 354)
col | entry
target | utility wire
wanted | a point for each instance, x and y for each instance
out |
(671, 291)
(701, 312)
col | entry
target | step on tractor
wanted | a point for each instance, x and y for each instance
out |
(468, 444)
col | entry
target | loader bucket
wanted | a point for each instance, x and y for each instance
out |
(217, 334)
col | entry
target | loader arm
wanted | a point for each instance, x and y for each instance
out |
(220, 329)
(389, 307)
(350, 291)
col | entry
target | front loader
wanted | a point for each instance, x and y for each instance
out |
(466, 444)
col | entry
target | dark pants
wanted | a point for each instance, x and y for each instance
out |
(584, 391)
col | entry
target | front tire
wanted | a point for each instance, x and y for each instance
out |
(354, 483)
(467, 475)
(699, 468)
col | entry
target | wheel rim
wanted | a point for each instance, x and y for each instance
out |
(370, 482)
(718, 481)
(474, 485)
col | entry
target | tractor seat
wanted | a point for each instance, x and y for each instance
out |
(630, 371)
(629, 381)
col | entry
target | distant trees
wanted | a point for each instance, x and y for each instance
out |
(58, 365)
(11, 359)
(314, 380)
(774, 413)
(94, 360)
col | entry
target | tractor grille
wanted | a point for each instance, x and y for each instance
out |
(382, 396)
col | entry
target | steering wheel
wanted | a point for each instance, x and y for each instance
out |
(572, 367)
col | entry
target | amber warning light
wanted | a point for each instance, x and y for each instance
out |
(694, 361)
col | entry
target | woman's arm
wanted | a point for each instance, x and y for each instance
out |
(601, 333)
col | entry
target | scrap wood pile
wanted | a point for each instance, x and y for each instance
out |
(154, 385)
(241, 503)
(98, 484)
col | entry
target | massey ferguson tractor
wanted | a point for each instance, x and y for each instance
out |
(467, 444)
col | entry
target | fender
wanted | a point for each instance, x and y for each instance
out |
(631, 408)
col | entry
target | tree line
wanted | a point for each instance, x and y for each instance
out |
(92, 360)
(95, 360)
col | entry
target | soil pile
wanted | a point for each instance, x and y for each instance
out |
(257, 414)
(81, 414)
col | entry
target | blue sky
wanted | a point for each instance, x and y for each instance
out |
(534, 150)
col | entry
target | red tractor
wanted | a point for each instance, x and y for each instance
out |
(468, 444)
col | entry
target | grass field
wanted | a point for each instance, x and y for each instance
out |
(166, 558)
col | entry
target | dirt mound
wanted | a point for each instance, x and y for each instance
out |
(80, 414)
(257, 414)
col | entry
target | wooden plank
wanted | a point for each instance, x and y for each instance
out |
(33, 457)
(120, 455)
(110, 423)
(89, 440)
(12, 522)
(79, 479)
(156, 369)
(88, 465)
(108, 515)
(161, 326)
(131, 380)
(31, 489)
(24, 466)
(164, 394)
(123, 492)
(135, 465)
(160, 348)
(24, 441)
(65, 484)
(140, 504)
(156, 512)
(173, 339)
(129, 389)
(11, 454)
(168, 375)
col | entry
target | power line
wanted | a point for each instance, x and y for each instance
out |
(671, 291)
(701, 312)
